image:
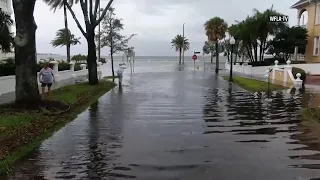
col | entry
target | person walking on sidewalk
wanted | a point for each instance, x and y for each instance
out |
(120, 71)
(46, 78)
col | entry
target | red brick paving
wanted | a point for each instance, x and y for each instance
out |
(313, 80)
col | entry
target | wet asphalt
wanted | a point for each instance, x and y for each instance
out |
(176, 125)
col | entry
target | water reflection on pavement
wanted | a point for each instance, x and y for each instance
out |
(180, 125)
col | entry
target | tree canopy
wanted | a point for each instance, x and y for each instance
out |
(64, 38)
(111, 33)
(216, 29)
(178, 43)
(254, 31)
(285, 41)
(5, 34)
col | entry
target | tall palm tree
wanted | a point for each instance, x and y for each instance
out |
(216, 30)
(64, 38)
(5, 34)
(57, 4)
(180, 42)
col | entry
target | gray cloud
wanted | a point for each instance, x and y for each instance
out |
(156, 22)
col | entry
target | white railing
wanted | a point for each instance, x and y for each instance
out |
(8, 83)
(300, 57)
(262, 70)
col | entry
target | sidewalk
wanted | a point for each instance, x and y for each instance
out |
(9, 97)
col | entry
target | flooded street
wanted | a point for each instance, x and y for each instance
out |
(171, 125)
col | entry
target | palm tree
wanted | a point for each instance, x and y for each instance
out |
(54, 4)
(216, 30)
(5, 34)
(180, 42)
(64, 38)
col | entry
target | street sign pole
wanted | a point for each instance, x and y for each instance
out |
(134, 54)
(194, 57)
(204, 63)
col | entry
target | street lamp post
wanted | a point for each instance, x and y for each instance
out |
(183, 43)
(232, 42)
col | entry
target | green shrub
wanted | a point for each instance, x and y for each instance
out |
(7, 69)
(79, 57)
(77, 67)
(303, 73)
(63, 66)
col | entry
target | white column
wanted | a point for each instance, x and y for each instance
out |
(275, 67)
(99, 70)
(56, 70)
(287, 69)
(83, 66)
(72, 69)
(227, 66)
(298, 82)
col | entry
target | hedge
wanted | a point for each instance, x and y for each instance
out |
(7, 67)
(268, 62)
(303, 73)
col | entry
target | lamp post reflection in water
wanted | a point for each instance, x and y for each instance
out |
(268, 88)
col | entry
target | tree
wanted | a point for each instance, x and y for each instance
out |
(216, 30)
(210, 48)
(180, 42)
(91, 19)
(265, 28)
(79, 57)
(237, 50)
(285, 41)
(111, 35)
(254, 31)
(54, 4)
(64, 37)
(5, 34)
(27, 90)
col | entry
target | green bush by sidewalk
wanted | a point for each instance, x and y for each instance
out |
(7, 67)
(254, 85)
(24, 131)
(311, 114)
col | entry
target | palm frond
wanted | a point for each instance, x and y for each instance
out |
(57, 4)
(65, 37)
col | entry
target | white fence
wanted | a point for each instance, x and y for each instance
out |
(312, 68)
(269, 72)
(8, 83)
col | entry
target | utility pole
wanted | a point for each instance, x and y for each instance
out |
(99, 30)
(183, 43)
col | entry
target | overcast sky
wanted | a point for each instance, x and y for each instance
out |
(156, 22)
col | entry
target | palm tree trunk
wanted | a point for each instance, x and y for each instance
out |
(67, 30)
(27, 90)
(180, 51)
(211, 57)
(217, 58)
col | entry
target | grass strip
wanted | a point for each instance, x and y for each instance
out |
(254, 85)
(21, 133)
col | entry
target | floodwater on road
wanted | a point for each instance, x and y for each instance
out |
(186, 125)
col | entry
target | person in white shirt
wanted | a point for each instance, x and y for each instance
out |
(120, 71)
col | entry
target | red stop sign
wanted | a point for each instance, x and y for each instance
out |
(194, 57)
